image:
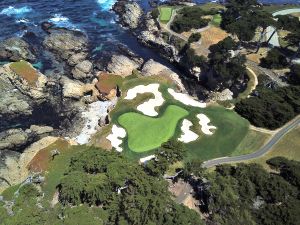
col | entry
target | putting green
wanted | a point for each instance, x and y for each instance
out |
(146, 133)
(165, 14)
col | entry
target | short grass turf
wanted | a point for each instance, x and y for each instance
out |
(165, 14)
(146, 133)
(231, 128)
(217, 20)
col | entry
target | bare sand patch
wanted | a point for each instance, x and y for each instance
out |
(116, 137)
(204, 121)
(188, 135)
(147, 158)
(186, 99)
(147, 108)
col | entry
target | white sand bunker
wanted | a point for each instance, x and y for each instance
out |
(95, 111)
(147, 158)
(204, 121)
(186, 99)
(188, 135)
(116, 136)
(147, 108)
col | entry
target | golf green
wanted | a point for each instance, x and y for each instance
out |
(165, 14)
(146, 133)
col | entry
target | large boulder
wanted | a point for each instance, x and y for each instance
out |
(152, 68)
(66, 43)
(15, 139)
(26, 79)
(82, 70)
(130, 13)
(122, 65)
(15, 49)
(153, 40)
(75, 89)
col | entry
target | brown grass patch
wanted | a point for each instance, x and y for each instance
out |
(209, 37)
(41, 160)
(256, 57)
(26, 71)
(107, 82)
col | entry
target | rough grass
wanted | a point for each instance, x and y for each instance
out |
(57, 168)
(211, 6)
(288, 146)
(147, 133)
(26, 71)
(165, 13)
(252, 142)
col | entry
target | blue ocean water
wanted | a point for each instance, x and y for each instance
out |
(93, 17)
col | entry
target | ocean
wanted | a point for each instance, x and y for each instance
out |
(94, 17)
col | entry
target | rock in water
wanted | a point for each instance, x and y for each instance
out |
(66, 43)
(15, 49)
(130, 13)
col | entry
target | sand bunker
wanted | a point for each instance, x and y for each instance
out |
(95, 111)
(204, 121)
(147, 108)
(186, 99)
(147, 158)
(188, 135)
(115, 137)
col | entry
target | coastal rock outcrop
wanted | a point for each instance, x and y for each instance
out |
(130, 13)
(82, 70)
(152, 68)
(15, 139)
(15, 49)
(151, 37)
(66, 42)
(122, 65)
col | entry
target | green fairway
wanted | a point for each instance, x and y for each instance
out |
(147, 133)
(165, 14)
(217, 19)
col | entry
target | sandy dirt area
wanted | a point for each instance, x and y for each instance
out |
(204, 121)
(116, 137)
(186, 99)
(188, 135)
(95, 111)
(148, 107)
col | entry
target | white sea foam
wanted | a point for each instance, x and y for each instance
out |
(61, 21)
(106, 4)
(12, 11)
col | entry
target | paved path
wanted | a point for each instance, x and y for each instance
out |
(266, 148)
(275, 39)
(167, 28)
(271, 74)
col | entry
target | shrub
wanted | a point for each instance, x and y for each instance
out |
(155, 13)
(274, 60)
(188, 18)
(194, 37)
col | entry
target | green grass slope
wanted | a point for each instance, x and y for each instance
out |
(147, 133)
